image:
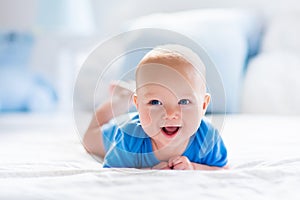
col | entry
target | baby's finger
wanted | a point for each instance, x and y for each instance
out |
(162, 165)
(183, 163)
(172, 160)
(178, 161)
(165, 168)
(180, 166)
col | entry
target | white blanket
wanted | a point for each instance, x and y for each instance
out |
(41, 157)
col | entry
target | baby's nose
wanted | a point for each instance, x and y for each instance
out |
(172, 113)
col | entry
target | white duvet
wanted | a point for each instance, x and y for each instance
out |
(41, 157)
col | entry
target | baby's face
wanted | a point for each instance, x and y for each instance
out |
(171, 101)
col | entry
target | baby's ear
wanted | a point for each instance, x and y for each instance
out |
(135, 100)
(206, 102)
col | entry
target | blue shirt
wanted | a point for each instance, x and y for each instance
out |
(129, 146)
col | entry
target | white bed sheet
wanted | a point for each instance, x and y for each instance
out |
(41, 157)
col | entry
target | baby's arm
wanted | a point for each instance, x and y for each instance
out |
(162, 165)
(207, 167)
(183, 163)
(116, 105)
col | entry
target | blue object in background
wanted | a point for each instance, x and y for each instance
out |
(15, 50)
(21, 90)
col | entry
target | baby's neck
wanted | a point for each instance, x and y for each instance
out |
(164, 153)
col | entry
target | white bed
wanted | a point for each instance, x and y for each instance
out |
(41, 157)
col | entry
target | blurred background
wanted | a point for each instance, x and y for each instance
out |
(43, 43)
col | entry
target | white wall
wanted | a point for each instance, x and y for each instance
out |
(17, 14)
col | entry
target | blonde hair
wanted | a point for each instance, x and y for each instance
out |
(175, 51)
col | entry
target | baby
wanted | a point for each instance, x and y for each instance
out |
(169, 131)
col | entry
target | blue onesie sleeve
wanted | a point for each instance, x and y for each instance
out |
(117, 152)
(207, 147)
(217, 156)
(127, 145)
(213, 151)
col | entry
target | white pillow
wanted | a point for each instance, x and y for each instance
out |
(283, 33)
(249, 23)
(272, 84)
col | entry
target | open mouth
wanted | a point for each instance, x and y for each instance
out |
(170, 131)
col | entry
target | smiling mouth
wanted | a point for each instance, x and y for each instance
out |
(170, 131)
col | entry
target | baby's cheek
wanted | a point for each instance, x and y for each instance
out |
(145, 119)
(192, 118)
(150, 119)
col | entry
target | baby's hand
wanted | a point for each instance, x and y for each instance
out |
(180, 163)
(161, 165)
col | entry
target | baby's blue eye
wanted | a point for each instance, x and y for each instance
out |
(184, 101)
(155, 102)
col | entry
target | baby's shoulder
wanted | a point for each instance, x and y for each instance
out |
(206, 130)
(206, 125)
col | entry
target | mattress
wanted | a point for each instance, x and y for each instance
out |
(41, 157)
